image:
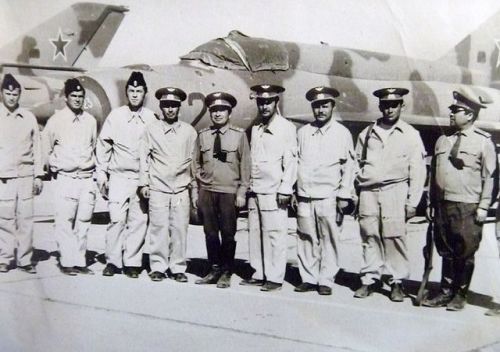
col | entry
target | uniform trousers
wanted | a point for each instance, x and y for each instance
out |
(74, 205)
(16, 220)
(457, 238)
(219, 216)
(383, 232)
(317, 240)
(168, 225)
(268, 228)
(129, 219)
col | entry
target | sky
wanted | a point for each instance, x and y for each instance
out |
(159, 31)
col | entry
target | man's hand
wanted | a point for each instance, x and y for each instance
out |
(37, 186)
(144, 192)
(103, 186)
(283, 200)
(410, 212)
(481, 215)
(194, 199)
(240, 201)
(429, 213)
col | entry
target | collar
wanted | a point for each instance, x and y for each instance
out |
(135, 114)
(170, 128)
(324, 129)
(16, 113)
(273, 126)
(467, 132)
(74, 117)
(222, 130)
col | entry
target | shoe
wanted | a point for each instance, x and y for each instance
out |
(225, 280)
(252, 282)
(305, 287)
(4, 268)
(493, 312)
(324, 290)
(180, 277)
(397, 294)
(111, 270)
(457, 303)
(212, 278)
(270, 286)
(68, 270)
(132, 272)
(157, 276)
(441, 300)
(364, 291)
(83, 270)
(30, 268)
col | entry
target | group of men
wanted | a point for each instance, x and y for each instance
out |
(153, 169)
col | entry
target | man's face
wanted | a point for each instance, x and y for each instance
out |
(323, 110)
(391, 110)
(460, 117)
(75, 100)
(10, 98)
(135, 95)
(220, 115)
(170, 110)
(267, 107)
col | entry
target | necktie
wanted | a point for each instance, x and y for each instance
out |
(454, 159)
(218, 154)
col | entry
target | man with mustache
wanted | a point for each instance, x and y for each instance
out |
(166, 155)
(390, 183)
(21, 169)
(325, 187)
(273, 174)
(117, 155)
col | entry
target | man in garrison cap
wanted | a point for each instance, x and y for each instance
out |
(390, 183)
(273, 174)
(165, 175)
(222, 168)
(117, 155)
(325, 187)
(463, 169)
(70, 139)
(21, 167)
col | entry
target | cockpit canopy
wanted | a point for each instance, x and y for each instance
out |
(238, 51)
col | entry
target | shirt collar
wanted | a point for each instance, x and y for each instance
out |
(135, 114)
(324, 129)
(16, 113)
(74, 117)
(399, 126)
(222, 130)
(170, 127)
(467, 132)
(273, 125)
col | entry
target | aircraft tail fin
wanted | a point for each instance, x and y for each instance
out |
(78, 35)
(479, 50)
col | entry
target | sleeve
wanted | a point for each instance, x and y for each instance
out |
(417, 171)
(244, 151)
(104, 148)
(346, 189)
(289, 163)
(488, 173)
(189, 154)
(196, 164)
(144, 158)
(48, 139)
(38, 161)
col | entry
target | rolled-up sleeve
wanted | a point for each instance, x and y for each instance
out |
(289, 163)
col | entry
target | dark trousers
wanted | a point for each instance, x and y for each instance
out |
(219, 216)
(457, 239)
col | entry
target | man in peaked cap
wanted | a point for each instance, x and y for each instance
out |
(222, 168)
(21, 167)
(117, 155)
(390, 183)
(70, 139)
(462, 192)
(325, 187)
(164, 179)
(273, 174)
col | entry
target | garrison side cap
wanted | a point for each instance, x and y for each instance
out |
(388, 94)
(467, 99)
(321, 93)
(136, 79)
(220, 99)
(10, 83)
(72, 85)
(170, 94)
(266, 91)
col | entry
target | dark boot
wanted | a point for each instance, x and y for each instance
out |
(212, 277)
(441, 300)
(224, 280)
(397, 294)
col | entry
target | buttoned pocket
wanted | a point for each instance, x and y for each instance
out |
(205, 154)
(231, 155)
(471, 158)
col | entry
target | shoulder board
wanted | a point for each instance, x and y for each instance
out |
(238, 129)
(482, 133)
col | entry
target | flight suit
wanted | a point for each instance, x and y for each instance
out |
(321, 179)
(20, 162)
(460, 188)
(166, 155)
(117, 155)
(221, 178)
(391, 177)
(274, 170)
(69, 141)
